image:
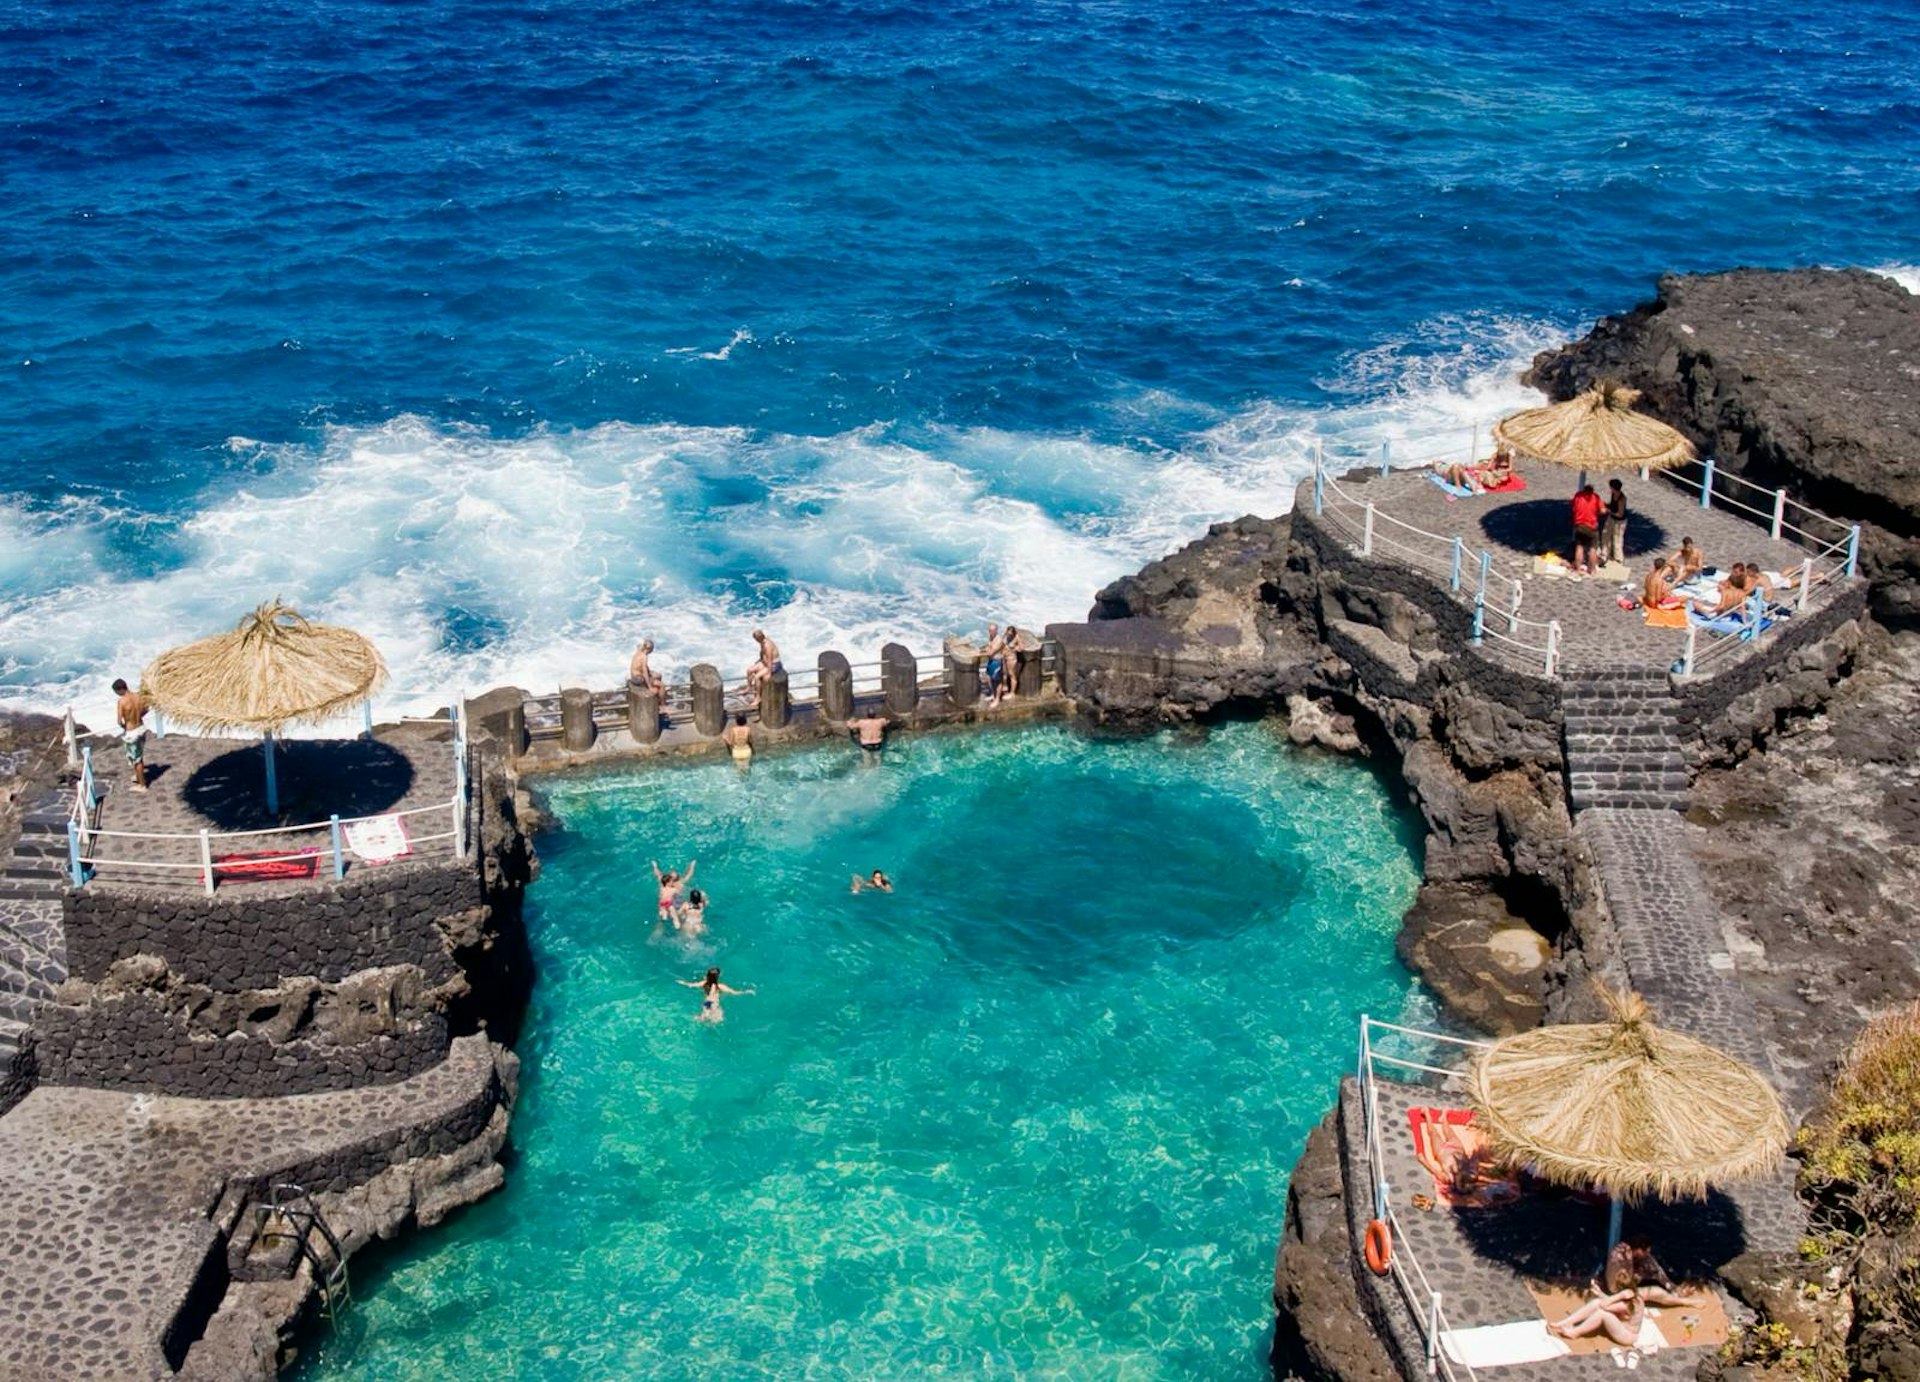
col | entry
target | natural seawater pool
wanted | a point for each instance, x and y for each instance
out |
(1029, 1116)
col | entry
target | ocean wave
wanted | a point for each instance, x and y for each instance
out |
(475, 559)
(1906, 275)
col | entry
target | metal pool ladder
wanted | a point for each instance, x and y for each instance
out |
(293, 1205)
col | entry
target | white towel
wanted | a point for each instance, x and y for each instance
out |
(1501, 1345)
(379, 839)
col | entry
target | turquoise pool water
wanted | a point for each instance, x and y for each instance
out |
(1029, 1116)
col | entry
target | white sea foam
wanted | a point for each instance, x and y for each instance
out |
(1906, 275)
(537, 560)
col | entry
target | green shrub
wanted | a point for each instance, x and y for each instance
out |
(1860, 1154)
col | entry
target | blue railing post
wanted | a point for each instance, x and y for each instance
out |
(75, 869)
(1486, 566)
(1319, 470)
(1706, 486)
(1386, 456)
(1453, 581)
(1479, 616)
(1853, 551)
(339, 860)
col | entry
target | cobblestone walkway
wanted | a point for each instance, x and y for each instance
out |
(108, 1200)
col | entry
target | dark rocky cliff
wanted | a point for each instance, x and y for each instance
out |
(1808, 379)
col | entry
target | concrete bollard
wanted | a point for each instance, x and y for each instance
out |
(899, 683)
(576, 719)
(709, 699)
(836, 687)
(963, 673)
(776, 704)
(1026, 666)
(643, 714)
(514, 729)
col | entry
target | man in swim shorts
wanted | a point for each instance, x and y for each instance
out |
(641, 675)
(766, 665)
(131, 712)
(995, 664)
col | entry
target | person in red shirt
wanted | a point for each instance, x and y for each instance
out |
(1586, 528)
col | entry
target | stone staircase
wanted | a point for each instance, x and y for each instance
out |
(33, 943)
(1622, 744)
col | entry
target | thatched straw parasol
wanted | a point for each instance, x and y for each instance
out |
(1627, 1107)
(1597, 430)
(273, 670)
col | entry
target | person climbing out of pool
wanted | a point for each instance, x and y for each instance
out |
(670, 885)
(870, 731)
(875, 882)
(739, 740)
(710, 990)
(764, 666)
(690, 918)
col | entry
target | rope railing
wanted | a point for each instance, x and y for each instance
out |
(1424, 1302)
(1704, 479)
(1824, 568)
(83, 828)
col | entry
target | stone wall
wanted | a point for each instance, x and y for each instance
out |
(231, 940)
(136, 1043)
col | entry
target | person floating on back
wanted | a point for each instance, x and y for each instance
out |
(131, 712)
(710, 990)
(875, 882)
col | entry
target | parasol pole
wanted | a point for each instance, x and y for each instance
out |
(1613, 1221)
(273, 778)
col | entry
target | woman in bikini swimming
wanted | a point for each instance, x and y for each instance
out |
(710, 990)
(670, 885)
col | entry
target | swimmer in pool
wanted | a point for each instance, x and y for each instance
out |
(670, 885)
(875, 882)
(691, 917)
(710, 990)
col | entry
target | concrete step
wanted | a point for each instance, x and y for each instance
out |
(37, 888)
(12, 1033)
(1580, 722)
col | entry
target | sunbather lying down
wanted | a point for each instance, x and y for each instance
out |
(1631, 1281)
(1463, 1168)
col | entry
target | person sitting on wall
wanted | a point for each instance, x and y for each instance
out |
(764, 666)
(641, 676)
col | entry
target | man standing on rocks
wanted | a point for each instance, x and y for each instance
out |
(131, 711)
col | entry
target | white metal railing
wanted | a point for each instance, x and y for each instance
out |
(1444, 557)
(1813, 530)
(83, 830)
(1424, 1302)
(1824, 568)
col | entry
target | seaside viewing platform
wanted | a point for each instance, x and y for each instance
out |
(1483, 551)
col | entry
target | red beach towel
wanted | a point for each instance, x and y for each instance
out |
(263, 864)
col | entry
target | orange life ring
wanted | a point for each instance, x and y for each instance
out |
(1378, 1247)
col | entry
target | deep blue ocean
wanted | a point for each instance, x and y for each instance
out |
(510, 332)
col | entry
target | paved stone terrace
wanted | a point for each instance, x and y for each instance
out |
(1478, 1258)
(1518, 527)
(220, 785)
(107, 1201)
